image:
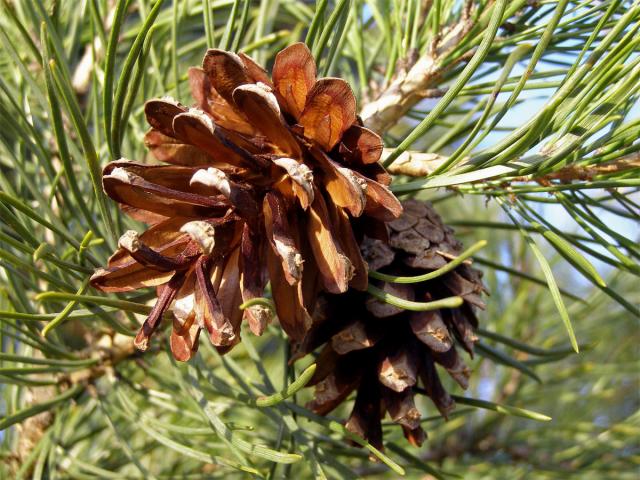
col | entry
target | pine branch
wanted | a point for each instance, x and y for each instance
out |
(420, 165)
(417, 79)
(108, 351)
(414, 164)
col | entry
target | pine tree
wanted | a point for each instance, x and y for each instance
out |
(517, 121)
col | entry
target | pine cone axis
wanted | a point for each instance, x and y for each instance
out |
(387, 354)
(260, 180)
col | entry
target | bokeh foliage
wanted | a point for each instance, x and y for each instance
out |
(531, 115)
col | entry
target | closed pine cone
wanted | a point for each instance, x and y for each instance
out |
(387, 354)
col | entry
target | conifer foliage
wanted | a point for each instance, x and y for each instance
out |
(363, 213)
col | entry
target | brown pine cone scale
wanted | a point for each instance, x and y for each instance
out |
(261, 180)
(385, 353)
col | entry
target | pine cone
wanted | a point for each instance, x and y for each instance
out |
(384, 352)
(265, 178)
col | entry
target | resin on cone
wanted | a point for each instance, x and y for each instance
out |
(261, 180)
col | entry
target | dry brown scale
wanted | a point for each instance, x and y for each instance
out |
(260, 180)
(387, 354)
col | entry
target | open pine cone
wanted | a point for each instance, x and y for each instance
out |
(384, 352)
(264, 179)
